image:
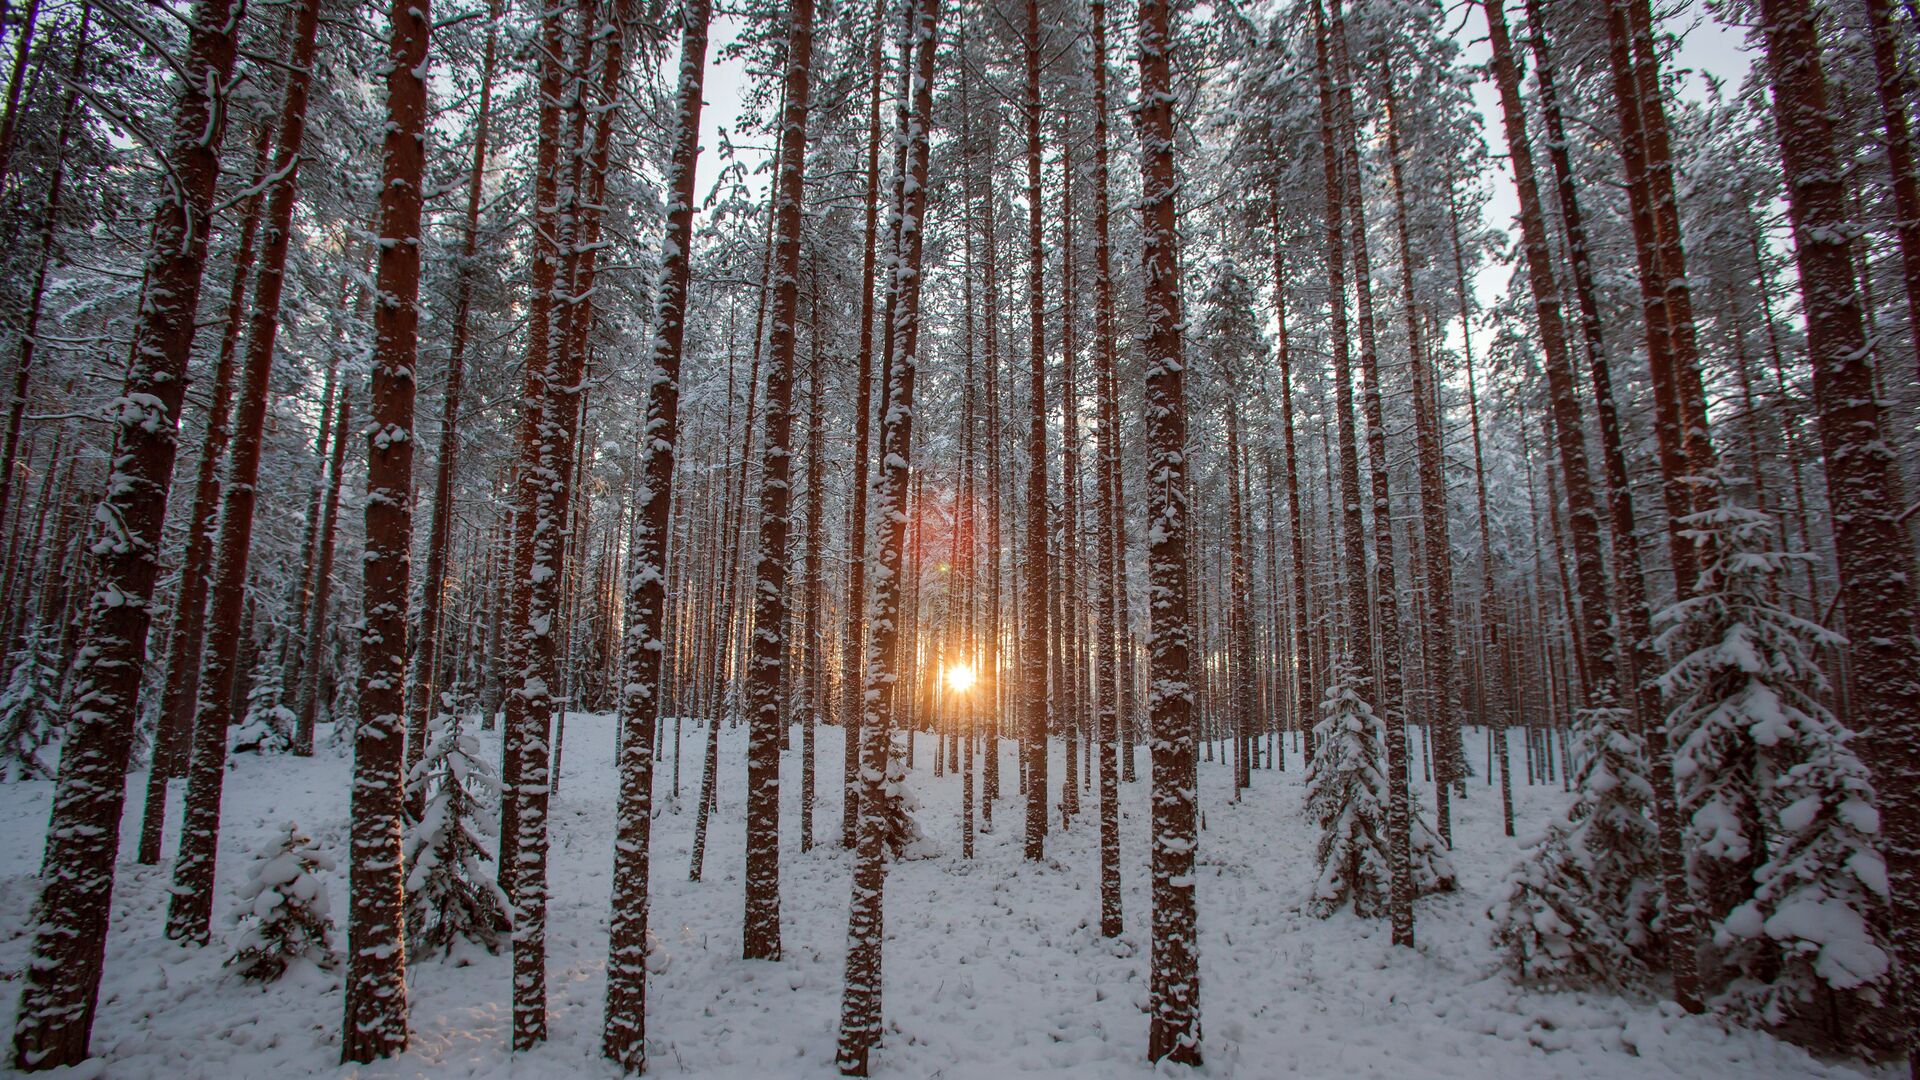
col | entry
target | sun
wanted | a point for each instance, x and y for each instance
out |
(960, 677)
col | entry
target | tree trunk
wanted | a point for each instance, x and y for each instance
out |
(1111, 634)
(761, 929)
(1391, 706)
(1174, 992)
(860, 1015)
(439, 530)
(1594, 634)
(1034, 636)
(623, 1034)
(316, 632)
(55, 1019)
(1876, 563)
(1642, 661)
(1684, 448)
(376, 1012)
(190, 903)
(1442, 718)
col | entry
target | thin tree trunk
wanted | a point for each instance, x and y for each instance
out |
(1641, 659)
(1449, 759)
(813, 644)
(1594, 633)
(439, 530)
(1037, 705)
(1392, 702)
(180, 692)
(853, 674)
(1111, 634)
(190, 904)
(1684, 448)
(316, 640)
(761, 929)
(860, 1013)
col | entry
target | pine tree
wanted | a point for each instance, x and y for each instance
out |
(1772, 789)
(29, 712)
(451, 894)
(284, 906)
(268, 725)
(1580, 904)
(374, 1024)
(1347, 799)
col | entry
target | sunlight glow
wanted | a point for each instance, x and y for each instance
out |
(960, 677)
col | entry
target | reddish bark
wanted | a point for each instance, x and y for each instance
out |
(860, 1013)
(55, 1018)
(439, 530)
(761, 931)
(1876, 563)
(375, 1024)
(190, 904)
(1037, 706)
(1174, 987)
(187, 634)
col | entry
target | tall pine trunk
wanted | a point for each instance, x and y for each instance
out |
(1037, 706)
(1110, 634)
(623, 1032)
(376, 1009)
(190, 904)
(1876, 563)
(761, 929)
(426, 650)
(1174, 986)
(55, 1018)
(860, 1013)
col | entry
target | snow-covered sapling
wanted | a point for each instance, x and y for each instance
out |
(451, 894)
(284, 909)
(29, 718)
(269, 723)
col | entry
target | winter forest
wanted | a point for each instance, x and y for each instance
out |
(966, 538)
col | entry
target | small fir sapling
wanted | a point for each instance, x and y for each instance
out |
(284, 909)
(29, 714)
(1581, 902)
(1347, 800)
(452, 894)
(269, 723)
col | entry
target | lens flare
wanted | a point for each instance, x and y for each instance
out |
(960, 677)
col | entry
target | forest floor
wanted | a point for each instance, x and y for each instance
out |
(994, 967)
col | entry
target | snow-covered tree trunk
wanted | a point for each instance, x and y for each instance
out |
(190, 903)
(766, 711)
(1386, 599)
(376, 1009)
(624, 1027)
(55, 1019)
(860, 1013)
(439, 530)
(1876, 561)
(1036, 705)
(186, 635)
(1173, 1008)
(1109, 634)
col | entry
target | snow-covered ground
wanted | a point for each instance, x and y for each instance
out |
(994, 967)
